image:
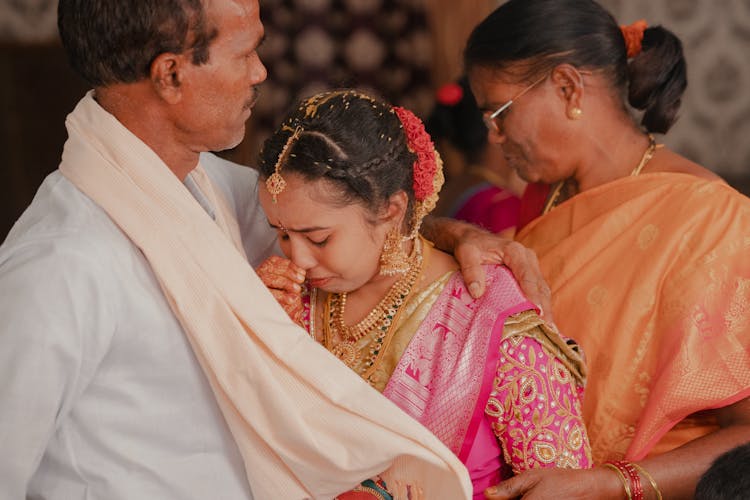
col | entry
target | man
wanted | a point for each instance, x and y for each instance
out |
(140, 357)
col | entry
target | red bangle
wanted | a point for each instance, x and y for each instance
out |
(630, 472)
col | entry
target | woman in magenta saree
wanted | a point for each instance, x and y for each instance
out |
(348, 181)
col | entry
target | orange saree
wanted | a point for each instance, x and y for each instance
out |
(651, 275)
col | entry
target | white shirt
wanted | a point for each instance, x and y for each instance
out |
(101, 396)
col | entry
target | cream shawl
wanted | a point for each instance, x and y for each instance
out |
(307, 427)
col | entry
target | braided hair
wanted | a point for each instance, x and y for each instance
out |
(353, 141)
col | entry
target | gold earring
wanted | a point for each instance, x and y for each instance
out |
(393, 259)
(575, 113)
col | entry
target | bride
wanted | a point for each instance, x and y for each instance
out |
(348, 181)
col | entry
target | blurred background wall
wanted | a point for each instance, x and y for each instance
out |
(401, 49)
(714, 124)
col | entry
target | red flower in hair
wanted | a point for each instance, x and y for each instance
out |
(420, 143)
(633, 35)
(450, 94)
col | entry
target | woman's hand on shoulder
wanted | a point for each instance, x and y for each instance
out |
(284, 280)
(473, 246)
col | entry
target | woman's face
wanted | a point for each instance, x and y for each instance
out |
(339, 247)
(529, 131)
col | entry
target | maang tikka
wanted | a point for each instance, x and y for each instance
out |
(275, 184)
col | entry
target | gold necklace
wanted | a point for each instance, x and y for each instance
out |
(650, 150)
(394, 298)
(379, 322)
(552, 201)
(553, 197)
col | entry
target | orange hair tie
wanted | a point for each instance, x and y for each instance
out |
(633, 35)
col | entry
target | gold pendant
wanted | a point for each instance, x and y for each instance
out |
(347, 352)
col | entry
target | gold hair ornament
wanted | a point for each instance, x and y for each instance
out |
(275, 184)
(310, 105)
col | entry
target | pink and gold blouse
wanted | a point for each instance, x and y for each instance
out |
(496, 384)
(533, 412)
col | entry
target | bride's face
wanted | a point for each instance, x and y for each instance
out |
(338, 246)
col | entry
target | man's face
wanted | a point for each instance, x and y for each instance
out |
(218, 96)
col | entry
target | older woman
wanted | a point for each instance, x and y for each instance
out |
(349, 180)
(645, 251)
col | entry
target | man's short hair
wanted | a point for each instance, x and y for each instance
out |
(115, 41)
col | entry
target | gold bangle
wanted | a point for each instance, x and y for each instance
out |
(622, 478)
(650, 480)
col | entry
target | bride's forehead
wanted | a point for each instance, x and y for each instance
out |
(305, 203)
(301, 205)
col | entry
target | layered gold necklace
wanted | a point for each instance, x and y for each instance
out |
(555, 198)
(379, 324)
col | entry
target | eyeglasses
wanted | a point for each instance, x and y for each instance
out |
(490, 118)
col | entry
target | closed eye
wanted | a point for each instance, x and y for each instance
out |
(320, 243)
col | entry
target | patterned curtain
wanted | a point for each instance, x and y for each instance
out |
(379, 46)
(404, 48)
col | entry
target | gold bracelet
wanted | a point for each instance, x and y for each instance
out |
(650, 480)
(622, 478)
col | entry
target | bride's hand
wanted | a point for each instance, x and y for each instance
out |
(284, 278)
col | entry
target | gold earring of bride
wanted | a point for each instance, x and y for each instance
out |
(393, 259)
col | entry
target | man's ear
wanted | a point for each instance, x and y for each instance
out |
(568, 83)
(166, 76)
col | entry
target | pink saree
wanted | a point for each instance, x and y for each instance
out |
(445, 376)
(488, 206)
(456, 363)
(492, 385)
